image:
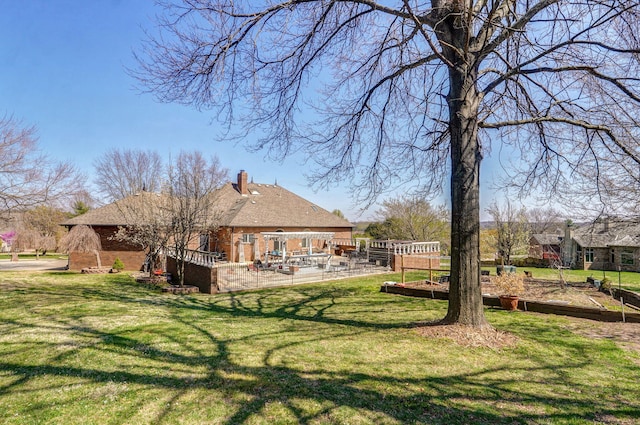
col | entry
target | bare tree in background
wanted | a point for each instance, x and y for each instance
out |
(413, 218)
(512, 230)
(41, 225)
(172, 219)
(191, 184)
(27, 177)
(385, 94)
(147, 217)
(120, 173)
(544, 220)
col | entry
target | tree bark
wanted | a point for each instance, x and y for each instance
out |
(465, 294)
(95, 251)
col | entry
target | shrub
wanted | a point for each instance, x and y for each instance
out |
(118, 264)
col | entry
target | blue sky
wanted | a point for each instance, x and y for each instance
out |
(64, 70)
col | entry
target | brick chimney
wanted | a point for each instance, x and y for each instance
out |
(242, 183)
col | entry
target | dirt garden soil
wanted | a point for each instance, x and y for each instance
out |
(573, 293)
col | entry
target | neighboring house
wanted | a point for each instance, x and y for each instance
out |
(243, 212)
(607, 244)
(545, 246)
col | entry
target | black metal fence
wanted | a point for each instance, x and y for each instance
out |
(239, 276)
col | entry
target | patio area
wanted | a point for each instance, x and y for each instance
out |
(277, 266)
(237, 277)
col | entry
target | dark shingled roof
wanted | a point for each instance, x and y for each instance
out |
(265, 205)
(611, 233)
(115, 214)
(547, 238)
(268, 205)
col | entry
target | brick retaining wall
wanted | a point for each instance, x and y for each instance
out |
(203, 277)
(132, 260)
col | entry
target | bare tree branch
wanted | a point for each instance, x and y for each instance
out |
(408, 95)
(28, 178)
(120, 173)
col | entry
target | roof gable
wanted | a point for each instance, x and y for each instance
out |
(264, 205)
(546, 238)
(115, 213)
(609, 233)
(268, 205)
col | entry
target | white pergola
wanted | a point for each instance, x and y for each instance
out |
(283, 237)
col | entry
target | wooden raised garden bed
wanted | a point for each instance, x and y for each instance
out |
(559, 307)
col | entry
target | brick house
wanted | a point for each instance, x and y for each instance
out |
(606, 244)
(244, 209)
(250, 209)
(545, 246)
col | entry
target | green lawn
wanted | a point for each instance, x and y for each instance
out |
(81, 349)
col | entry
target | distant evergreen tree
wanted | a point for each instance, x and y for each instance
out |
(79, 208)
(337, 213)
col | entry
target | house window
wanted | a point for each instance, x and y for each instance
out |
(588, 255)
(306, 242)
(248, 237)
(579, 254)
(613, 255)
(204, 242)
(626, 257)
(277, 245)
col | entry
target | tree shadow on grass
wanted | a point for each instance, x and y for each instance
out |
(320, 394)
(311, 305)
(198, 360)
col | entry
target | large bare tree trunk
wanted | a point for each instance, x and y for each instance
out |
(465, 294)
(544, 92)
